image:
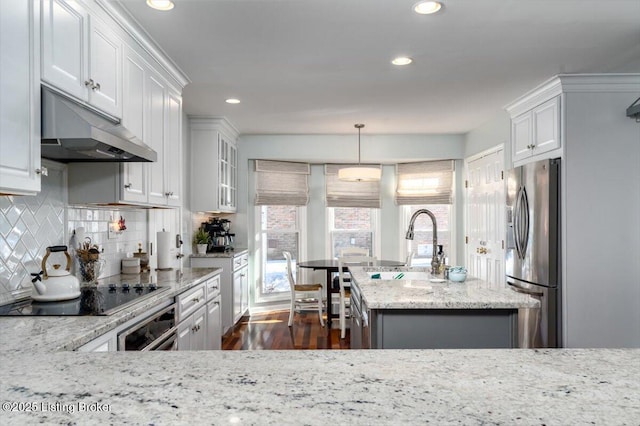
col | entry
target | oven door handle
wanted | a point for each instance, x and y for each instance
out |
(171, 333)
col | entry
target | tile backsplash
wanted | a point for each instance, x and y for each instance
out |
(100, 228)
(29, 224)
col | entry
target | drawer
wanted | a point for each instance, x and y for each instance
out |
(212, 287)
(240, 261)
(189, 301)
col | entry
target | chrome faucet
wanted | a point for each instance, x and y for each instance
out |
(435, 262)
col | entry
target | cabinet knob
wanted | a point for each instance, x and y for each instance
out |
(42, 171)
(95, 87)
(127, 186)
(89, 83)
(195, 300)
(533, 146)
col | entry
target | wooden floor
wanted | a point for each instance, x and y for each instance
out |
(270, 331)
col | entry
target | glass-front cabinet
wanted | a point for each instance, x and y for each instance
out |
(228, 174)
(213, 159)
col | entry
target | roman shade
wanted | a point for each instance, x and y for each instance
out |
(348, 193)
(281, 183)
(428, 182)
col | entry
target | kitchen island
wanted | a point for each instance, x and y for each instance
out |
(43, 381)
(432, 314)
(472, 387)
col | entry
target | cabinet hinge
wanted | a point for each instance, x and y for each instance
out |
(466, 240)
(502, 244)
(466, 183)
(502, 174)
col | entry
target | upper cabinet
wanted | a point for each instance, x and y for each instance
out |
(213, 165)
(81, 56)
(537, 131)
(147, 184)
(20, 97)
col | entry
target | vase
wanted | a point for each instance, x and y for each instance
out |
(201, 248)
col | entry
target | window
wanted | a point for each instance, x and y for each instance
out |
(279, 231)
(282, 191)
(352, 227)
(422, 243)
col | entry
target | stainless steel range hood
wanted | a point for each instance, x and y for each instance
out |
(72, 132)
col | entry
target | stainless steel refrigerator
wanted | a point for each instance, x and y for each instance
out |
(532, 250)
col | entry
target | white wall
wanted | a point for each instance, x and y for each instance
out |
(601, 221)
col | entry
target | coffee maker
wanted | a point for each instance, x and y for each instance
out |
(221, 238)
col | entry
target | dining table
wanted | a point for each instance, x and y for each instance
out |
(330, 266)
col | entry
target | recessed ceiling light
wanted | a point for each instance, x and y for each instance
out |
(160, 4)
(232, 101)
(402, 60)
(427, 7)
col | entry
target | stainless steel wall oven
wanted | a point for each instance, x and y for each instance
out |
(156, 332)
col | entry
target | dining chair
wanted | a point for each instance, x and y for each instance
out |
(345, 293)
(349, 251)
(299, 293)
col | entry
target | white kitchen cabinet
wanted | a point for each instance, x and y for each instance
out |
(213, 162)
(234, 284)
(20, 167)
(154, 129)
(81, 56)
(154, 184)
(214, 323)
(536, 132)
(192, 331)
(135, 175)
(191, 317)
(172, 150)
(163, 135)
(240, 292)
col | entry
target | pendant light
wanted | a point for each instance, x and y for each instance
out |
(360, 174)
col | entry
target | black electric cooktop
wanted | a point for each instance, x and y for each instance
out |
(103, 299)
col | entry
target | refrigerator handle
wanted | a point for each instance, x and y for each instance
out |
(516, 224)
(519, 289)
(521, 222)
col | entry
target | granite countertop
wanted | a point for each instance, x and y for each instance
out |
(423, 294)
(226, 254)
(375, 387)
(51, 333)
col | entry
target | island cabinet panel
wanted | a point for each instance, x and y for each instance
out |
(444, 329)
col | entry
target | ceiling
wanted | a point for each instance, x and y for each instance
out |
(313, 67)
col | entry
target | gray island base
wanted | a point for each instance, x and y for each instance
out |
(419, 314)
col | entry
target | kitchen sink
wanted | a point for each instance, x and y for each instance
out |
(401, 275)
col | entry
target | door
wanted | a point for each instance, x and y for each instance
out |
(172, 150)
(105, 69)
(546, 128)
(237, 294)
(155, 137)
(485, 195)
(521, 134)
(19, 98)
(214, 325)
(65, 46)
(134, 175)
(199, 336)
(532, 218)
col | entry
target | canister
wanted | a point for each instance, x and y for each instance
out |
(131, 265)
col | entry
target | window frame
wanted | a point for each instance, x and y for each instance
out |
(375, 230)
(301, 231)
